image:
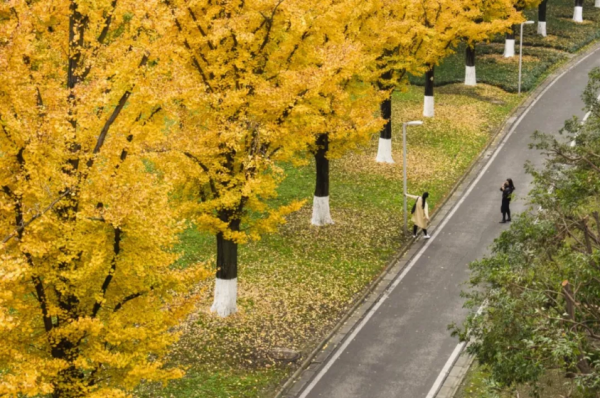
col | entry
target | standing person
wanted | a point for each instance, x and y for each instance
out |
(420, 212)
(507, 191)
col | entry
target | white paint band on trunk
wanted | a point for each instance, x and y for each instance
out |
(321, 213)
(224, 303)
(384, 151)
(428, 107)
(470, 76)
(578, 14)
(509, 48)
(597, 4)
(542, 28)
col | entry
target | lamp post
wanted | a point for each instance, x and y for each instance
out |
(413, 123)
(521, 51)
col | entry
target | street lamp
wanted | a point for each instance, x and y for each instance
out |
(521, 51)
(413, 123)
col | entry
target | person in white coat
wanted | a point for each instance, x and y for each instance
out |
(420, 214)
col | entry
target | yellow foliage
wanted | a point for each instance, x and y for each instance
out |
(89, 291)
(258, 80)
(491, 17)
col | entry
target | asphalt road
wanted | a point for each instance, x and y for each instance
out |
(405, 344)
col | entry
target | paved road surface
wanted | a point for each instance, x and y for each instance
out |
(403, 347)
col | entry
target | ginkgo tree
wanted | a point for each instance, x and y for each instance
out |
(542, 11)
(409, 38)
(251, 77)
(349, 120)
(396, 35)
(88, 291)
(487, 18)
(348, 108)
(448, 20)
(520, 6)
(393, 35)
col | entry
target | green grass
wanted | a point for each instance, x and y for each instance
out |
(563, 33)
(552, 385)
(222, 382)
(495, 70)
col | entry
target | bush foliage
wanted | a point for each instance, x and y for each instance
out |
(540, 289)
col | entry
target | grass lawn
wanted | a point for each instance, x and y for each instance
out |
(492, 68)
(563, 33)
(295, 285)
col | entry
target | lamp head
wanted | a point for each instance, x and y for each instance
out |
(529, 22)
(414, 123)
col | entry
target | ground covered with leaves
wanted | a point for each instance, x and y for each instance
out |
(296, 284)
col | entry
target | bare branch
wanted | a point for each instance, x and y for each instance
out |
(22, 227)
(111, 272)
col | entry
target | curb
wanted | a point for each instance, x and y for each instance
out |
(309, 366)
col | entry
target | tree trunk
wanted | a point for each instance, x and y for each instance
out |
(321, 213)
(509, 46)
(69, 382)
(470, 74)
(225, 298)
(542, 8)
(428, 107)
(384, 152)
(578, 12)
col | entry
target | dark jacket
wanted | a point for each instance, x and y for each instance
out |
(506, 197)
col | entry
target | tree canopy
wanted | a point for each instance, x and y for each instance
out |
(88, 291)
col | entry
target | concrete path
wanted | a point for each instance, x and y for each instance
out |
(402, 343)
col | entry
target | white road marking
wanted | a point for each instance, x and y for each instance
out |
(585, 118)
(434, 390)
(445, 371)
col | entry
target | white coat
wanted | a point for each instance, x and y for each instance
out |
(421, 215)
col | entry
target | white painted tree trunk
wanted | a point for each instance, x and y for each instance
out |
(428, 107)
(542, 28)
(597, 4)
(225, 299)
(470, 76)
(578, 14)
(509, 48)
(384, 151)
(321, 213)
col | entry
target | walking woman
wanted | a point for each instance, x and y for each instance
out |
(420, 212)
(507, 191)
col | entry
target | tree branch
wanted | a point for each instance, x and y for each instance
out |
(187, 45)
(213, 187)
(128, 299)
(112, 118)
(41, 296)
(21, 228)
(111, 272)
